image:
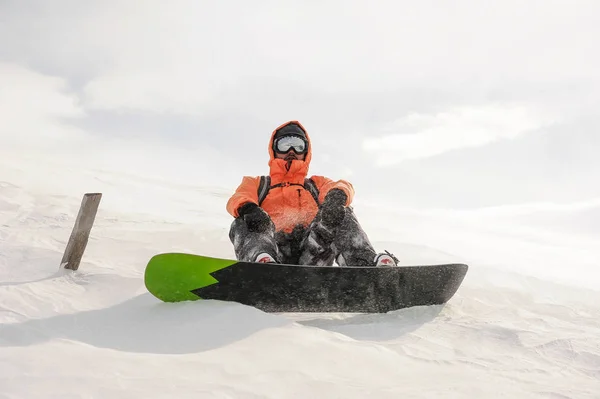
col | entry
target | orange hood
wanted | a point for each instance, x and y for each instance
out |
(278, 167)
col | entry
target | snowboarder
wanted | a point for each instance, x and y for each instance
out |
(286, 217)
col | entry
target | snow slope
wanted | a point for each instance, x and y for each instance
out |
(524, 324)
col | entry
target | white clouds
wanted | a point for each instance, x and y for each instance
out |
(429, 77)
(151, 91)
(420, 135)
(185, 55)
(32, 105)
(31, 92)
(38, 126)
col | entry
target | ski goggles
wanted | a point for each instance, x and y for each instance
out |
(296, 143)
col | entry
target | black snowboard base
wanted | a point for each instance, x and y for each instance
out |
(293, 288)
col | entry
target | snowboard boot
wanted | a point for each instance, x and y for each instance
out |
(385, 259)
(264, 257)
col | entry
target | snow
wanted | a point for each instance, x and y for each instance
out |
(524, 324)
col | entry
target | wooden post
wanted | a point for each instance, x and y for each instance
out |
(81, 231)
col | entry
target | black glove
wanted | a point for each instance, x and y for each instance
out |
(255, 217)
(333, 209)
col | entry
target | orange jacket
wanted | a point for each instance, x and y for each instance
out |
(287, 205)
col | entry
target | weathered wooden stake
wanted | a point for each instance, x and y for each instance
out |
(81, 231)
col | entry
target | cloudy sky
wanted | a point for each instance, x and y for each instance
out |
(454, 104)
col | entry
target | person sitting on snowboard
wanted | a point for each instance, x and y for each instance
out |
(286, 217)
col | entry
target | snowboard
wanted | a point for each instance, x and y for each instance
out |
(174, 277)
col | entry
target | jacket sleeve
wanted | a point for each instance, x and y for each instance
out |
(247, 191)
(324, 184)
